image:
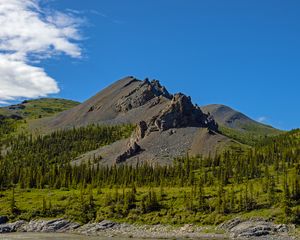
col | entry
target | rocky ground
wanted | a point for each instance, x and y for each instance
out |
(233, 229)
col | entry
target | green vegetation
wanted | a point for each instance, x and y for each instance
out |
(38, 180)
(32, 109)
(14, 119)
(7, 126)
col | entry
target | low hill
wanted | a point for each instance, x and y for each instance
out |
(16, 118)
(237, 125)
(38, 108)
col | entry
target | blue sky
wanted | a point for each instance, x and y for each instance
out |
(244, 54)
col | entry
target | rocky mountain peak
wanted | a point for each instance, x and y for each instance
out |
(159, 89)
(142, 94)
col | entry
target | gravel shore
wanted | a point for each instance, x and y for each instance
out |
(234, 229)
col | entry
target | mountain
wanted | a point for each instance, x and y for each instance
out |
(237, 125)
(168, 125)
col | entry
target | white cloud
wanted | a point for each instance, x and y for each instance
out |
(262, 119)
(29, 33)
(19, 79)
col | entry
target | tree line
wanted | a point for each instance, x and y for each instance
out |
(232, 182)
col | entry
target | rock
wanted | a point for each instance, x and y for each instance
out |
(238, 228)
(107, 224)
(11, 227)
(56, 225)
(137, 135)
(188, 228)
(17, 107)
(92, 228)
(133, 147)
(131, 151)
(5, 228)
(3, 219)
(282, 228)
(92, 108)
(140, 131)
(228, 225)
(172, 131)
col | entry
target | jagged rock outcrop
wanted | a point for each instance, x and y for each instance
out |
(182, 113)
(133, 147)
(140, 132)
(133, 150)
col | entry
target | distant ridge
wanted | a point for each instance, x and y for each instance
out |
(238, 125)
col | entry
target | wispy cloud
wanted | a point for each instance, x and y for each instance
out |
(29, 34)
(262, 119)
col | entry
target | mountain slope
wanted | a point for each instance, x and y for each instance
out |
(237, 125)
(121, 102)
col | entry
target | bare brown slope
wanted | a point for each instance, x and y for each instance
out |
(162, 147)
(126, 101)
